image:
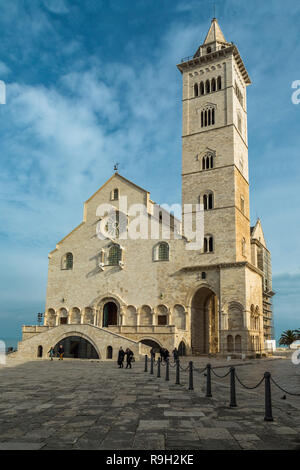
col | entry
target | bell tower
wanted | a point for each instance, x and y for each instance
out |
(215, 146)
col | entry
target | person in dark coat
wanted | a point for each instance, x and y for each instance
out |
(129, 356)
(61, 352)
(175, 354)
(121, 356)
(152, 353)
(166, 355)
(161, 352)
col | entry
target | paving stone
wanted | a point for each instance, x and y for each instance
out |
(15, 445)
(213, 433)
(153, 424)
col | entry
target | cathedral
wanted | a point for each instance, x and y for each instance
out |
(107, 289)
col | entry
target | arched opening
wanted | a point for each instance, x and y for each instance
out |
(213, 85)
(109, 352)
(40, 351)
(207, 86)
(182, 349)
(230, 346)
(238, 344)
(204, 322)
(196, 90)
(152, 344)
(51, 317)
(63, 316)
(76, 347)
(110, 314)
(201, 88)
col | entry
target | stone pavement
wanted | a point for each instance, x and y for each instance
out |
(78, 404)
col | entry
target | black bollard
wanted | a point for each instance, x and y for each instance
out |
(177, 382)
(268, 399)
(191, 379)
(167, 370)
(146, 363)
(158, 367)
(151, 365)
(232, 388)
(208, 381)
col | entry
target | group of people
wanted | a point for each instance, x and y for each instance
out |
(164, 354)
(61, 352)
(121, 357)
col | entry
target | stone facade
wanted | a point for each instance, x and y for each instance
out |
(141, 292)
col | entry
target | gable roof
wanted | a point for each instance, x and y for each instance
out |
(116, 175)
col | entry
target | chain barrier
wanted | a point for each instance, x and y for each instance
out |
(267, 379)
(220, 376)
(249, 388)
(283, 390)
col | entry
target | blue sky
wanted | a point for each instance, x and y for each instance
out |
(91, 83)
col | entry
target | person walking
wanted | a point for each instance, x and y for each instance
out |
(166, 355)
(161, 352)
(61, 352)
(51, 353)
(129, 357)
(152, 353)
(175, 354)
(121, 356)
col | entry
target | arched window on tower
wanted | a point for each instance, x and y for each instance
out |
(208, 244)
(161, 252)
(207, 162)
(219, 83)
(67, 261)
(114, 196)
(208, 201)
(213, 85)
(207, 86)
(208, 116)
(201, 88)
(114, 255)
(196, 91)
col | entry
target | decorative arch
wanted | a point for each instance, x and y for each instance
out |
(130, 315)
(63, 316)
(235, 316)
(145, 315)
(76, 315)
(51, 317)
(238, 344)
(230, 343)
(179, 317)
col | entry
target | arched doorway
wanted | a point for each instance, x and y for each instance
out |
(110, 314)
(204, 322)
(40, 351)
(77, 347)
(153, 344)
(182, 349)
(109, 352)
